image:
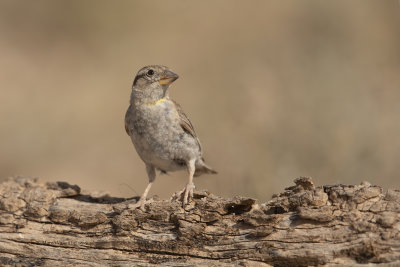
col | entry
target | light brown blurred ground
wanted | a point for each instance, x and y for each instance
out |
(275, 89)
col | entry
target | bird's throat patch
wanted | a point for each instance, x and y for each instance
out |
(158, 101)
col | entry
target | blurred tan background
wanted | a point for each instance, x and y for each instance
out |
(275, 89)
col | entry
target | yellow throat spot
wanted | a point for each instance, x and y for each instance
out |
(158, 101)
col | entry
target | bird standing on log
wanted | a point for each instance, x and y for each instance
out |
(161, 132)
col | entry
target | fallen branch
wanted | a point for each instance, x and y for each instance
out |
(53, 224)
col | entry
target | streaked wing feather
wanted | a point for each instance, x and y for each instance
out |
(186, 125)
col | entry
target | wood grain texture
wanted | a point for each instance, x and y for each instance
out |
(54, 224)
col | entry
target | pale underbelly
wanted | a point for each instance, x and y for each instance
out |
(166, 165)
(157, 156)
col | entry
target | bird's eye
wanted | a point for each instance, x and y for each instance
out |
(150, 72)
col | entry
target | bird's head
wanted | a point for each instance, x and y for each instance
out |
(153, 81)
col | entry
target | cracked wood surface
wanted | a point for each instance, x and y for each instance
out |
(54, 224)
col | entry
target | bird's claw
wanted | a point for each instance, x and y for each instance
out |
(186, 193)
(139, 204)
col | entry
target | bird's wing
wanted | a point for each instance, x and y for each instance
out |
(186, 125)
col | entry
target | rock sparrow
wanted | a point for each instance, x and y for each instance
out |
(162, 134)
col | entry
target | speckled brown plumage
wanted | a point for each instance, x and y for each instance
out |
(161, 132)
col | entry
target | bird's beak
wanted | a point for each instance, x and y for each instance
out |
(167, 77)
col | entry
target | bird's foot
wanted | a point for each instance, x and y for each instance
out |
(186, 193)
(139, 204)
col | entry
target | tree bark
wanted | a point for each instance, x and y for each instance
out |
(54, 224)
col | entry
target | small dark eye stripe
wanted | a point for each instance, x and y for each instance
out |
(136, 78)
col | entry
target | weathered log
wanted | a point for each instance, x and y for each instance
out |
(53, 224)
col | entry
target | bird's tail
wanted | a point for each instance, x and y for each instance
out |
(202, 168)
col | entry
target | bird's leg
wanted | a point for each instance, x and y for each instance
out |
(151, 172)
(188, 190)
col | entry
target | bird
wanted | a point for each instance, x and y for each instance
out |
(161, 132)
